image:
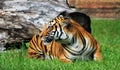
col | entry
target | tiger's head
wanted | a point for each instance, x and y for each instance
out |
(59, 29)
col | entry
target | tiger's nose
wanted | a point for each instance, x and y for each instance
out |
(49, 38)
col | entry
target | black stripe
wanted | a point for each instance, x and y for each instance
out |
(70, 51)
(45, 48)
(51, 46)
(51, 50)
(60, 32)
(83, 42)
(66, 56)
(83, 50)
(92, 53)
(50, 56)
(82, 38)
(56, 31)
(41, 43)
(35, 46)
(37, 38)
(74, 40)
(32, 48)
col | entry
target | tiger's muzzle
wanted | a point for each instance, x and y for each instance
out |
(49, 38)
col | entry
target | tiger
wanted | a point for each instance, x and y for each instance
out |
(45, 46)
(75, 41)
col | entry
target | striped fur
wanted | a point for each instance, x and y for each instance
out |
(53, 50)
(75, 40)
(65, 39)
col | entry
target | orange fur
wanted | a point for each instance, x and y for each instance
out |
(55, 49)
(97, 53)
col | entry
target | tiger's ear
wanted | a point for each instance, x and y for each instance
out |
(64, 14)
(67, 21)
(67, 18)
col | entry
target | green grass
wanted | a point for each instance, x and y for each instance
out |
(107, 33)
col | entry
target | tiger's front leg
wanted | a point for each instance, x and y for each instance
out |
(64, 59)
(33, 54)
(37, 48)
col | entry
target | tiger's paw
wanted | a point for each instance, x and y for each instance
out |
(66, 60)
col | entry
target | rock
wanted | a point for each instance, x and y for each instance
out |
(21, 19)
(3, 40)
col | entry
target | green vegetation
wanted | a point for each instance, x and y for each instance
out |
(107, 33)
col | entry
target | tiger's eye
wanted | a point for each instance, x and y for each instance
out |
(50, 28)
